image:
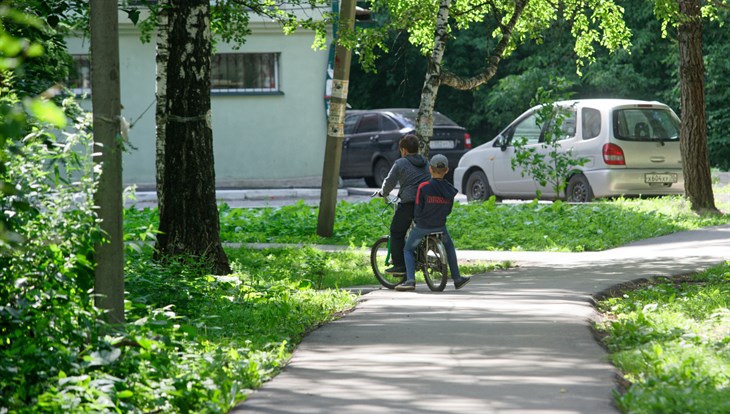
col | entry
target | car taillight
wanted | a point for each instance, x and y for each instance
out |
(467, 140)
(613, 155)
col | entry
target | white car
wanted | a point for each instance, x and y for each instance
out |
(632, 148)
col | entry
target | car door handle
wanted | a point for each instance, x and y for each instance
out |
(375, 138)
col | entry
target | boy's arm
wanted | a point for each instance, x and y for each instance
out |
(390, 181)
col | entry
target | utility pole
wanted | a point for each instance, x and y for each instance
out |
(335, 124)
(105, 100)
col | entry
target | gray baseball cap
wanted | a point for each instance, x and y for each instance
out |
(439, 161)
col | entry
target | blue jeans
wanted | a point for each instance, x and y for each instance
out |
(414, 238)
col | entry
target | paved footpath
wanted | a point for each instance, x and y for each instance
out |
(514, 341)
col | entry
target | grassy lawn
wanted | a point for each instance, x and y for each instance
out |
(194, 342)
(671, 340)
(485, 226)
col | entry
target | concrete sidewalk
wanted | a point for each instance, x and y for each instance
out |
(514, 341)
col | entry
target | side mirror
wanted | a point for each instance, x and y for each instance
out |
(501, 142)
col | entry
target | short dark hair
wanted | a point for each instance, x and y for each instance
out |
(410, 143)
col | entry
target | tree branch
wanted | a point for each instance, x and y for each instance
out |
(457, 82)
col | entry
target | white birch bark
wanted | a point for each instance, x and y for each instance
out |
(424, 122)
(162, 110)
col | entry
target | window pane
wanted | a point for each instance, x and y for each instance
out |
(369, 123)
(79, 80)
(389, 124)
(591, 123)
(528, 129)
(567, 118)
(645, 124)
(350, 122)
(245, 72)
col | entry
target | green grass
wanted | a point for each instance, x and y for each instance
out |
(671, 339)
(319, 269)
(487, 226)
(194, 342)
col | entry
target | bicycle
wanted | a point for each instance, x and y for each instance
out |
(430, 259)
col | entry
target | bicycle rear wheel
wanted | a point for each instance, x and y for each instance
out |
(380, 260)
(435, 270)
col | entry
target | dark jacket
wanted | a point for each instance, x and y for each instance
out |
(408, 172)
(434, 201)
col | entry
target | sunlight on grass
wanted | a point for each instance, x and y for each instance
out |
(672, 341)
(478, 226)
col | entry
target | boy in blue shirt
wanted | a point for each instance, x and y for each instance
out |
(434, 201)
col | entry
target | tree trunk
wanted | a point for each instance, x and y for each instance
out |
(424, 122)
(105, 98)
(693, 129)
(436, 76)
(189, 222)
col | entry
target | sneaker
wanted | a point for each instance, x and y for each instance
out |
(406, 286)
(462, 282)
(396, 270)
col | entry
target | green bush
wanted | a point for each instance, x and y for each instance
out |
(47, 317)
(672, 341)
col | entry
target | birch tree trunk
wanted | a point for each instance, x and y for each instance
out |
(424, 122)
(189, 222)
(436, 76)
(693, 129)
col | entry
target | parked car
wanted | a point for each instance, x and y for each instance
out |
(632, 148)
(371, 141)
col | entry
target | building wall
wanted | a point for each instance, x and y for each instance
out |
(260, 140)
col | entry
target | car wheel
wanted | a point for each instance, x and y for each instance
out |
(380, 171)
(370, 182)
(477, 187)
(579, 190)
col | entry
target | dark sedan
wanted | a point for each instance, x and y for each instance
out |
(371, 141)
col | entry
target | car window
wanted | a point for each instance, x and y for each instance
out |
(527, 129)
(350, 122)
(389, 124)
(591, 119)
(368, 123)
(645, 124)
(439, 119)
(567, 119)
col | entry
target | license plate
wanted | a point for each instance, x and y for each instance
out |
(660, 178)
(442, 144)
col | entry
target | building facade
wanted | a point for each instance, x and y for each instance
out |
(267, 98)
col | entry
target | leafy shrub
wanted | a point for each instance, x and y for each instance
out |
(47, 318)
(672, 341)
(482, 226)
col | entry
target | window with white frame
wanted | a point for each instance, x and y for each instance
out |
(245, 73)
(79, 79)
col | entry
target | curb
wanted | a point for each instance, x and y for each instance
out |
(257, 195)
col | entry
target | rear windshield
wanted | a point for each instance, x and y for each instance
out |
(645, 124)
(438, 119)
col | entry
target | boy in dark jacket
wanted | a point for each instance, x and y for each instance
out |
(408, 172)
(434, 201)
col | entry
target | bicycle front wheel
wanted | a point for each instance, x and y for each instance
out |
(380, 260)
(435, 269)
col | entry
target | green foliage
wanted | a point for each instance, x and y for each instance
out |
(593, 22)
(47, 317)
(717, 47)
(672, 341)
(486, 226)
(230, 19)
